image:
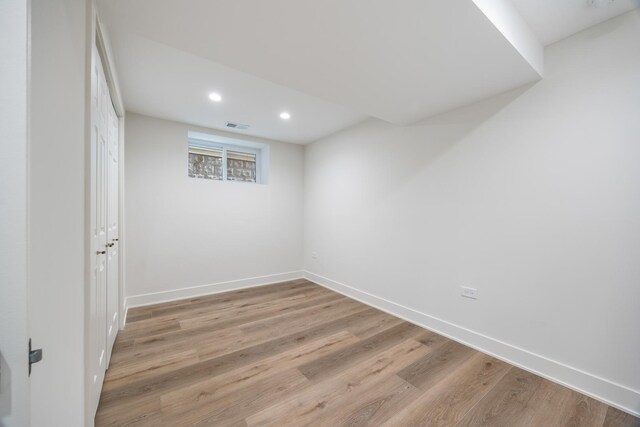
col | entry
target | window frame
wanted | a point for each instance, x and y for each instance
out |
(259, 150)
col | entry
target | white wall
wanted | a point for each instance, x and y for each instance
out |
(184, 232)
(533, 197)
(14, 384)
(57, 206)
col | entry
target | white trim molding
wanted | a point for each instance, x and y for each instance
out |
(606, 391)
(214, 288)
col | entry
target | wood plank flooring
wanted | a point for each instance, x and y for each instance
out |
(297, 354)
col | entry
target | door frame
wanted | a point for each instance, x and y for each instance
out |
(14, 190)
(99, 49)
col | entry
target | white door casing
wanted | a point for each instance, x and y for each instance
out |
(14, 197)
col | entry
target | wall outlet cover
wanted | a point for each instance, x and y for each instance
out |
(468, 292)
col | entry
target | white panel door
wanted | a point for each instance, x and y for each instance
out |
(98, 294)
(112, 231)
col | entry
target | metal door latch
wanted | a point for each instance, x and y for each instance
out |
(34, 356)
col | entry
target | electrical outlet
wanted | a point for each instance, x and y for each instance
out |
(314, 255)
(469, 292)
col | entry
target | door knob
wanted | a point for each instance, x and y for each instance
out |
(110, 244)
(101, 252)
(34, 356)
(114, 240)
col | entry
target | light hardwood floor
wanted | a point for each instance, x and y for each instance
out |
(296, 354)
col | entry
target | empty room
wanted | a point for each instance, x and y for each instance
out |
(320, 213)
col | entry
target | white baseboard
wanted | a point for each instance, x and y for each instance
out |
(613, 394)
(214, 288)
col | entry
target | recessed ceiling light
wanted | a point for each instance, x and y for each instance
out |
(215, 97)
(285, 116)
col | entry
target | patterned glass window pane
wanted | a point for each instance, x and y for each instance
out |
(205, 163)
(241, 166)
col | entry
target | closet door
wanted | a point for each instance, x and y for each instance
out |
(98, 287)
(112, 231)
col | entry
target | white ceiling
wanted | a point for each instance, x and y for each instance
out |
(400, 64)
(168, 83)
(330, 63)
(553, 20)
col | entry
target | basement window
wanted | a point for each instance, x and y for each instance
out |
(226, 159)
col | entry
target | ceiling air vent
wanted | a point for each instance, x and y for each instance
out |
(236, 125)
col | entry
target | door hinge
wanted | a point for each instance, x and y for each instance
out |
(34, 356)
